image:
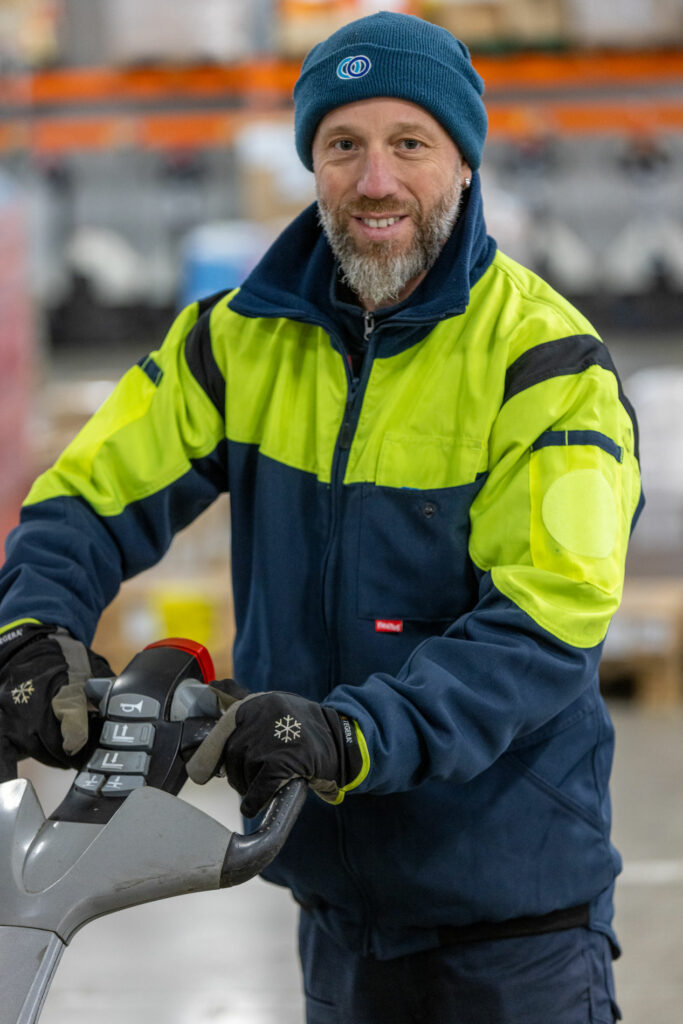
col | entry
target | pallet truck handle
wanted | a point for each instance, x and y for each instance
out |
(248, 855)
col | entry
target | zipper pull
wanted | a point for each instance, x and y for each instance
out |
(369, 319)
(346, 433)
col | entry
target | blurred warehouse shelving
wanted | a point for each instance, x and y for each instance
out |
(128, 123)
(98, 108)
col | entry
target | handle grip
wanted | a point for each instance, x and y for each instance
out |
(248, 855)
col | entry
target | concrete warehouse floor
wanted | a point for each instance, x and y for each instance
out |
(230, 958)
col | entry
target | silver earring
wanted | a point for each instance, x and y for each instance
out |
(468, 182)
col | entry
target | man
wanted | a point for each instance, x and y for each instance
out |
(433, 478)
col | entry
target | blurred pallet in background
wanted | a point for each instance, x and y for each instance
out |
(643, 652)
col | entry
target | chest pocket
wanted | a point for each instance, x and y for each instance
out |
(413, 560)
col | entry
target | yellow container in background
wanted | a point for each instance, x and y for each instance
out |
(185, 612)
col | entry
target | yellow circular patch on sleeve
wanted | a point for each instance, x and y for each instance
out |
(580, 512)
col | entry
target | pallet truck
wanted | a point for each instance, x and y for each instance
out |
(121, 836)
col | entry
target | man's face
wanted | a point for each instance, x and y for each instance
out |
(389, 180)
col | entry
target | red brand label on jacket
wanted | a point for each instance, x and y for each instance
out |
(388, 625)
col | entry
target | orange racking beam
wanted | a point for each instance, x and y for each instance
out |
(275, 79)
(211, 129)
(63, 87)
(579, 70)
(519, 121)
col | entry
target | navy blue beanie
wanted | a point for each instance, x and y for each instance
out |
(400, 56)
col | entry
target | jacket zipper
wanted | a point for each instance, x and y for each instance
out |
(357, 386)
(348, 426)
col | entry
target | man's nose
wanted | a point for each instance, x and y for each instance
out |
(377, 179)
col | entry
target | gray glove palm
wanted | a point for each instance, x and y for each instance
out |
(43, 706)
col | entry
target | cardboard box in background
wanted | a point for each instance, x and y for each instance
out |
(477, 22)
(188, 594)
(644, 642)
(537, 22)
(300, 24)
(303, 23)
(488, 23)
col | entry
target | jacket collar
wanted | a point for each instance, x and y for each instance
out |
(297, 278)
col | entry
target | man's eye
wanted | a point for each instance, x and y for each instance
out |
(345, 145)
(411, 144)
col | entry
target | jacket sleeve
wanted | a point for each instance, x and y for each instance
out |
(549, 532)
(146, 464)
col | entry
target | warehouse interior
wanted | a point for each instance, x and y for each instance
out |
(146, 160)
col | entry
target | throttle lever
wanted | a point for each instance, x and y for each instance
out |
(195, 731)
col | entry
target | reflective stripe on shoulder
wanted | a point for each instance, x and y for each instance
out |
(559, 358)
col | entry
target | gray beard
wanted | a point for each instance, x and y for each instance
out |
(380, 271)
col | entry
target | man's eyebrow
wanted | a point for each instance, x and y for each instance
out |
(400, 128)
(414, 127)
(339, 129)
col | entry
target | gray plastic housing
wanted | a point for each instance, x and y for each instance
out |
(55, 876)
(60, 875)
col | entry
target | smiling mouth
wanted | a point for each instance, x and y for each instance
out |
(383, 221)
(380, 222)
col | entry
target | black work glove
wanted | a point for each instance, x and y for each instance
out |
(43, 706)
(266, 739)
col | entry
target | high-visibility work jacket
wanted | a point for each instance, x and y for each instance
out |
(434, 548)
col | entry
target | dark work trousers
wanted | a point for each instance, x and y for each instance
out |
(561, 978)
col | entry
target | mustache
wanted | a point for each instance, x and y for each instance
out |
(368, 207)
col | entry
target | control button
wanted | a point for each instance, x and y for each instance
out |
(134, 735)
(89, 782)
(98, 690)
(127, 762)
(120, 785)
(133, 705)
(193, 699)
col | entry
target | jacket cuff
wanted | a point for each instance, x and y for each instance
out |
(365, 761)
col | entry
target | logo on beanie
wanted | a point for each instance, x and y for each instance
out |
(354, 67)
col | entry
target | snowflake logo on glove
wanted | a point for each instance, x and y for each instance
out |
(287, 729)
(22, 694)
